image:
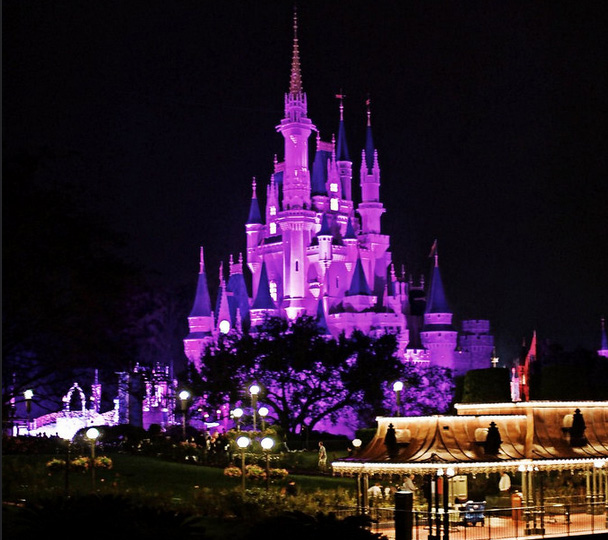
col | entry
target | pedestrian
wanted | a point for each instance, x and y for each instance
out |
(322, 456)
(408, 483)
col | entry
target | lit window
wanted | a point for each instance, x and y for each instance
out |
(333, 205)
(273, 290)
(273, 229)
(333, 187)
(273, 210)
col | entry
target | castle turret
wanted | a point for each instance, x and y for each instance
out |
(200, 320)
(238, 297)
(438, 334)
(263, 305)
(477, 343)
(345, 165)
(254, 227)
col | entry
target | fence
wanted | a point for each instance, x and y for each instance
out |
(565, 518)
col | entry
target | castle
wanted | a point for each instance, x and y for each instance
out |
(312, 251)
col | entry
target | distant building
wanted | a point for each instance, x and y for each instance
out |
(311, 250)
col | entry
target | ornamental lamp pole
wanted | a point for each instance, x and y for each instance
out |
(398, 387)
(263, 412)
(254, 390)
(28, 395)
(184, 396)
(267, 444)
(92, 434)
(243, 442)
(237, 414)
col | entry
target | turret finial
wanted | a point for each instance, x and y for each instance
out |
(254, 194)
(202, 262)
(341, 97)
(368, 103)
(295, 83)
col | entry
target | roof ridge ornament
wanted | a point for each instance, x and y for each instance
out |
(295, 82)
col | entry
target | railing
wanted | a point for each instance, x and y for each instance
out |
(571, 517)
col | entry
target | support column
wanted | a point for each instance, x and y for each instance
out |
(404, 517)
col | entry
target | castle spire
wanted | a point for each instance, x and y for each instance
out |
(603, 351)
(342, 146)
(369, 140)
(202, 262)
(295, 81)
(254, 209)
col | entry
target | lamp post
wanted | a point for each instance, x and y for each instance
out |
(28, 395)
(237, 414)
(184, 396)
(92, 434)
(254, 390)
(267, 444)
(243, 442)
(397, 387)
(68, 441)
(263, 412)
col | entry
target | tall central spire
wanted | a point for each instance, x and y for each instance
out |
(295, 82)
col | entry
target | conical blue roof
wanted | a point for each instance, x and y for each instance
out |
(254, 212)
(358, 285)
(325, 229)
(263, 300)
(319, 173)
(321, 320)
(238, 297)
(342, 154)
(350, 230)
(202, 301)
(369, 148)
(437, 302)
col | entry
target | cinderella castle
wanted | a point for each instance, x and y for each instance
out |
(312, 251)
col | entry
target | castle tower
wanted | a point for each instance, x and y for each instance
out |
(438, 334)
(296, 220)
(477, 343)
(200, 320)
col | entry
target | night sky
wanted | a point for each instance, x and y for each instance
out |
(490, 120)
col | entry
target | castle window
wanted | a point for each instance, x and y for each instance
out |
(273, 210)
(333, 205)
(273, 229)
(297, 266)
(273, 289)
(333, 187)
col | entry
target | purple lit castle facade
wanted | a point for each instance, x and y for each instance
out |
(312, 251)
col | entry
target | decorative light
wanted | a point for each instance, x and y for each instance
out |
(254, 389)
(224, 326)
(243, 442)
(397, 386)
(92, 433)
(28, 394)
(450, 471)
(599, 463)
(263, 411)
(267, 443)
(237, 413)
(184, 395)
(357, 443)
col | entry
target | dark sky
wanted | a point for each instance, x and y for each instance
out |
(489, 118)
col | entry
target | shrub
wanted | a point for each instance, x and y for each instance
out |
(233, 472)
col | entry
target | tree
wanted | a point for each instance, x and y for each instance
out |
(491, 385)
(306, 377)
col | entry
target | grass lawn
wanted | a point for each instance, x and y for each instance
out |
(26, 477)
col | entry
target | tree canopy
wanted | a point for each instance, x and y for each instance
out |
(307, 378)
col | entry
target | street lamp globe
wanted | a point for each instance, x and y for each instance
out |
(243, 442)
(263, 411)
(357, 443)
(254, 389)
(237, 413)
(184, 395)
(397, 386)
(92, 434)
(267, 443)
